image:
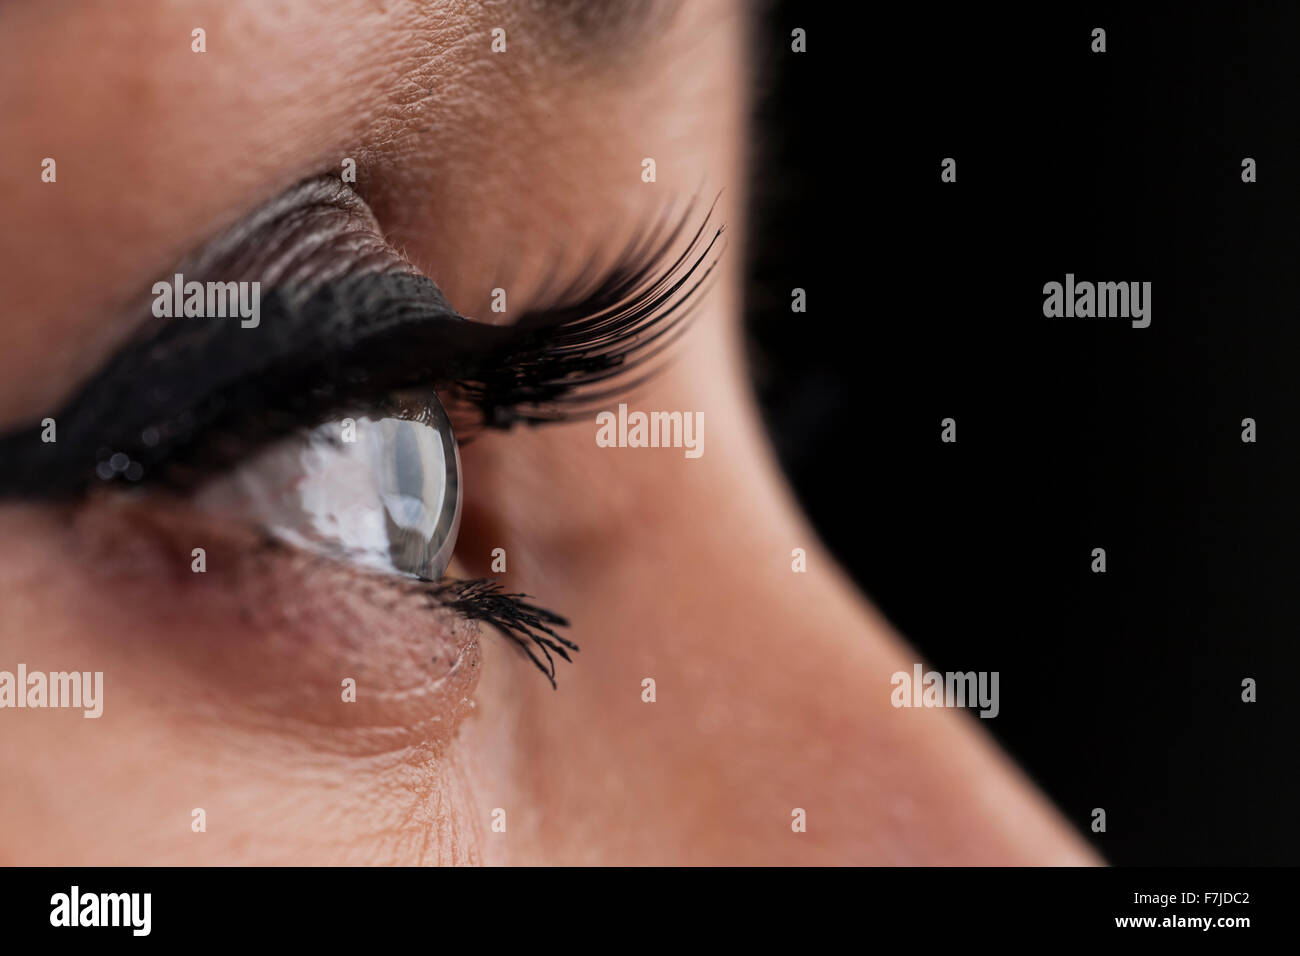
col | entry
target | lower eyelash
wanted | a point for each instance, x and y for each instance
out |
(528, 625)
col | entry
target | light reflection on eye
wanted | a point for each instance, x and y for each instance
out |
(383, 493)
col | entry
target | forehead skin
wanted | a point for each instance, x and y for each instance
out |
(485, 168)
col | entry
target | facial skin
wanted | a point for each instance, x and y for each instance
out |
(221, 690)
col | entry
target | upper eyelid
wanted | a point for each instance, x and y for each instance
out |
(305, 239)
(175, 387)
(353, 339)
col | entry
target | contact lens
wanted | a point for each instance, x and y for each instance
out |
(380, 492)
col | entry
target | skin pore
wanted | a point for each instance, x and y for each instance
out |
(222, 690)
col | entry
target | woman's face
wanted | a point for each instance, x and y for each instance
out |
(227, 690)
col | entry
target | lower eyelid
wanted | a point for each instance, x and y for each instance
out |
(264, 637)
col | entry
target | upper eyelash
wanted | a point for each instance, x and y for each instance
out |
(403, 334)
(618, 323)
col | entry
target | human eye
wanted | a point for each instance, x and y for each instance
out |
(381, 490)
(328, 409)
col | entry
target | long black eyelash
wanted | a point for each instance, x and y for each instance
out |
(568, 359)
(526, 624)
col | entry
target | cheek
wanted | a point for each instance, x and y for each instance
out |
(302, 699)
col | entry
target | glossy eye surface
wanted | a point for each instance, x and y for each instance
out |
(381, 492)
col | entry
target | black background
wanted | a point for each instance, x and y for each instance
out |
(1119, 690)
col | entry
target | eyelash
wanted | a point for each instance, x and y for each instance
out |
(526, 624)
(598, 340)
(568, 352)
(625, 320)
(368, 337)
